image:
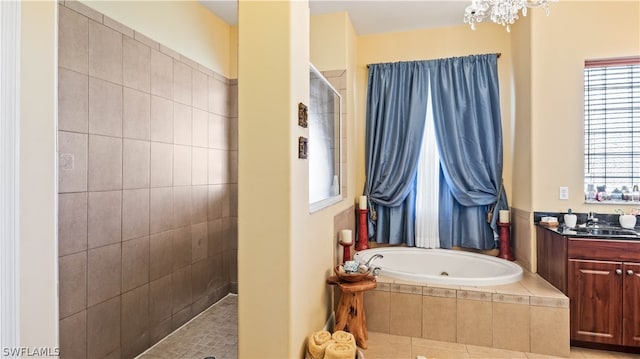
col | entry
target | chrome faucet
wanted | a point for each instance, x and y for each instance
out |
(592, 221)
(373, 257)
(366, 267)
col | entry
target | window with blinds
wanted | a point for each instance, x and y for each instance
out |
(612, 129)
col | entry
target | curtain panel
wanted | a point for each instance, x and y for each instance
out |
(396, 107)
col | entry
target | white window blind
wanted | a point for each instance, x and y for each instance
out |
(612, 124)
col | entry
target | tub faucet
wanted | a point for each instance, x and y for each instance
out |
(373, 257)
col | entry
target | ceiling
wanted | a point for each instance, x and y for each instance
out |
(372, 17)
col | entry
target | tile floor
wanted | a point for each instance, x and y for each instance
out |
(215, 333)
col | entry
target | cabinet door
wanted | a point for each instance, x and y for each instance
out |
(595, 289)
(631, 311)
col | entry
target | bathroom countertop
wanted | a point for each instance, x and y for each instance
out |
(601, 232)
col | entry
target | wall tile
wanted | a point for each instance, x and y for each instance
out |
(199, 195)
(136, 62)
(214, 234)
(233, 133)
(105, 53)
(181, 206)
(73, 101)
(218, 97)
(230, 233)
(233, 98)
(215, 201)
(218, 136)
(181, 165)
(199, 278)
(161, 254)
(182, 124)
(181, 318)
(405, 315)
(161, 171)
(72, 223)
(84, 10)
(105, 163)
(73, 40)
(104, 218)
(233, 167)
(105, 108)
(72, 162)
(135, 213)
(181, 83)
(376, 307)
(199, 172)
(161, 209)
(199, 241)
(217, 166)
(200, 90)
(136, 164)
(511, 326)
(145, 40)
(546, 339)
(73, 283)
(474, 322)
(160, 330)
(112, 24)
(181, 247)
(104, 274)
(160, 299)
(439, 318)
(200, 131)
(135, 263)
(135, 321)
(161, 119)
(136, 118)
(181, 283)
(161, 75)
(103, 328)
(73, 335)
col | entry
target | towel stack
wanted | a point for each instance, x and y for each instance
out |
(324, 345)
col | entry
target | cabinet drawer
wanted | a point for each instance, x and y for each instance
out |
(599, 249)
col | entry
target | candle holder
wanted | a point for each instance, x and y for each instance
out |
(346, 251)
(505, 245)
(363, 233)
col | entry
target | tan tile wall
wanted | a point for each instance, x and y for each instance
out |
(528, 316)
(147, 187)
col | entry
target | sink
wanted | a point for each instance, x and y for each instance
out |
(598, 231)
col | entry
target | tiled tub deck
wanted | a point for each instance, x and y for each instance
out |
(528, 316)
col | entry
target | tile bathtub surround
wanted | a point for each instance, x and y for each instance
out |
(527, 316)
(147, 187)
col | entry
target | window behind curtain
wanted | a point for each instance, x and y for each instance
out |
(611, 126)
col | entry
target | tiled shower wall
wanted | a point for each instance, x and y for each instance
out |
(147, 187)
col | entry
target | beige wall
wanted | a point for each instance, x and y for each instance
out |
(559, 45)
(285, 253)
(549, 54)
(433, 44)
(184, 26)
(38, 221)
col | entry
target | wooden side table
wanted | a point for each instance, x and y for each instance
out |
(350, 316)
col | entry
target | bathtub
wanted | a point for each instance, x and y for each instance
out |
(442, 266)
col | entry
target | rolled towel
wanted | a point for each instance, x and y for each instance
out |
(340, 351)
(344, 337)
(317, 343)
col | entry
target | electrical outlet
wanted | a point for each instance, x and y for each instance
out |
(564, 192)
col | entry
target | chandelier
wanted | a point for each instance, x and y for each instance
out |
(503, 12)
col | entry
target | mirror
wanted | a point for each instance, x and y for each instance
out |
(324, 121)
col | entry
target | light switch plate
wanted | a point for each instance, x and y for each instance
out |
(564, 192)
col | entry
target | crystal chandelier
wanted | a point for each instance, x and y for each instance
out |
(503, 12)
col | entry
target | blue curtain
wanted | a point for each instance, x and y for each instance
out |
(395, 117)
(466, 108)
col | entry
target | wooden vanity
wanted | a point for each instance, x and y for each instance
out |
(601, 277)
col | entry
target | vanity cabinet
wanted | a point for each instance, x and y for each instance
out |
(604, 291)
(552, 257)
